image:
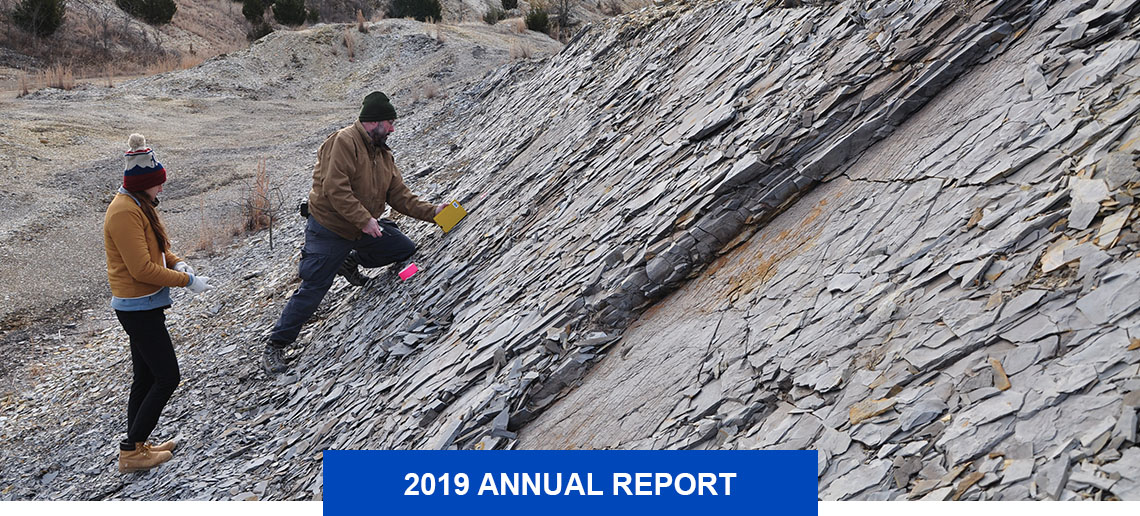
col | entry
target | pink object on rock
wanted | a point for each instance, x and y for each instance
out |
(409, 271)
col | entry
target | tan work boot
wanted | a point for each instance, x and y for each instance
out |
(141, 458)
(166, 446)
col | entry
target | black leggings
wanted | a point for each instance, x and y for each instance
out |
(155, 368)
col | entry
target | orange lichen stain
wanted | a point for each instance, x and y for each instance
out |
(814, 214)
(649, 314)
(747, 281)
(761, 266)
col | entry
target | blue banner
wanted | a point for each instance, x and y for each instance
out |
(570, 482)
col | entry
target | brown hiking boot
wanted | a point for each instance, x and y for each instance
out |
(165, 446)
(141, 458)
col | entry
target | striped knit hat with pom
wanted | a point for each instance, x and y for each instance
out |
(141, 170)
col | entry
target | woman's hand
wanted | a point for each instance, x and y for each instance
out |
(184, 267)
(199, 284)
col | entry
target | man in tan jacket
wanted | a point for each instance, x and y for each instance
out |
(354, 179)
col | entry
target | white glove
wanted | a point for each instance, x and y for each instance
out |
(184, 267)
(200, 284)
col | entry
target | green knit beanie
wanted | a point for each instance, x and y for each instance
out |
(376, 108)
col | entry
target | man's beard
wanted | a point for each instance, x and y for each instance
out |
(379, 139)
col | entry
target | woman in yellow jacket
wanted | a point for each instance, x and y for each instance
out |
(141, 270)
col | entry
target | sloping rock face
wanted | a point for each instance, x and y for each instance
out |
(926, 271)
(950, 313)
(901, 233)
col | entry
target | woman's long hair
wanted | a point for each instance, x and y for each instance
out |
(147, 205)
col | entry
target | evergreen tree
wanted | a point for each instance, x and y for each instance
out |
(537, 19)
(253, 10)
(422, 10)
(39, 17)
(154, 12)
(289, 12)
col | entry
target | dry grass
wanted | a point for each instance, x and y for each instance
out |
(206, 233)
(611, 8)
(518, 25)
(360, 26)
(430, 90)
(24, 84)
(64, 76)
(350, 44)
(520, 51)
(170, 63)
(57, 76)
(214, 232)
(435, 31)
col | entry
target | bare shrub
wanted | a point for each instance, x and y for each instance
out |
(562, 13)
(518, 25)
(430, 90)
(257, 214)
(261, 205)
(520, 51)
(350, 45)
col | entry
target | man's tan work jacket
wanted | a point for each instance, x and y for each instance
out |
(352, 182)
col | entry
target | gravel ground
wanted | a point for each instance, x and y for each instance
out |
(209, 126)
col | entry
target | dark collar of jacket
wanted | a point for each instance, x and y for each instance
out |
(367, 139)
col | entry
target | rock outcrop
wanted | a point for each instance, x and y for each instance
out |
(901, 233)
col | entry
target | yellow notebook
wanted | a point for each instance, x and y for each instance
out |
(450, 216)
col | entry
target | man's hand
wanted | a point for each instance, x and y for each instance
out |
(440, 208)
(372, 228)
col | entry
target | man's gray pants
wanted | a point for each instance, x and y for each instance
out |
(323, 254)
